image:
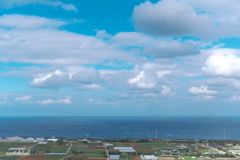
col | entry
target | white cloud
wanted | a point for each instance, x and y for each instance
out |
(49, 101)
(28, 22)
(137, 78)
(150, 76)
(224, 63)
(78, 77)
(157, 46)
(51, 80)
(103, 34)
(169, 17)
(38, 40)
(166, 91)
(90, 87)
(208, 97)
(192, 17)
(141, 81)
(224, 83)
(25, 98)
(60, 101)
(202, 90)
(18, 3)
(235, 98)
(83, 74)
(161, 74)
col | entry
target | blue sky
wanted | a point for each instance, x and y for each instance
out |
(119, 58)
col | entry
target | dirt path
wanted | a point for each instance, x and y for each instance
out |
(69, 147)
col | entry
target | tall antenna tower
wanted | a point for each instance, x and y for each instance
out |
(156, 134)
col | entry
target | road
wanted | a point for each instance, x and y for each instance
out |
(70, 146)
(108, 158)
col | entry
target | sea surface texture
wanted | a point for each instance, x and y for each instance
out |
(122, 127)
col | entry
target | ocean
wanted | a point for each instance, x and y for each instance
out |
(122, 127)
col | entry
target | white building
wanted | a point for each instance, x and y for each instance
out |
(148, 157)
(52, 140)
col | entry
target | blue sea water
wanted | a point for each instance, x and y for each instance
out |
(122, 127)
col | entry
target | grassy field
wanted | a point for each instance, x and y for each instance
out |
(41, 157)
(96, 151)
(190, 158)
(4, 146)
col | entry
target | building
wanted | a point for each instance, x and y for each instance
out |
(107, 144)
(40, 139)
(124, 149)
(42, 142)
(114, 157)
(15, 139)
(17, 149)
(148, 157)
(52, 140)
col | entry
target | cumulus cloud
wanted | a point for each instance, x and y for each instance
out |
(169, 17)
(149, 76)
(199, 18)
(173, 49)
(161, 74)
(141, 81)
(42, 42)
(224, 83)
(202, 90)
(78, 77)
(53, 3)
(156, 46)
(225, 63)
(25, 98)
(60, 101)
(51, 80)
(166, 91)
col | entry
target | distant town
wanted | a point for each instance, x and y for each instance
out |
(29, 148)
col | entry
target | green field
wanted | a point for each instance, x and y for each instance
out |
(90, 151)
